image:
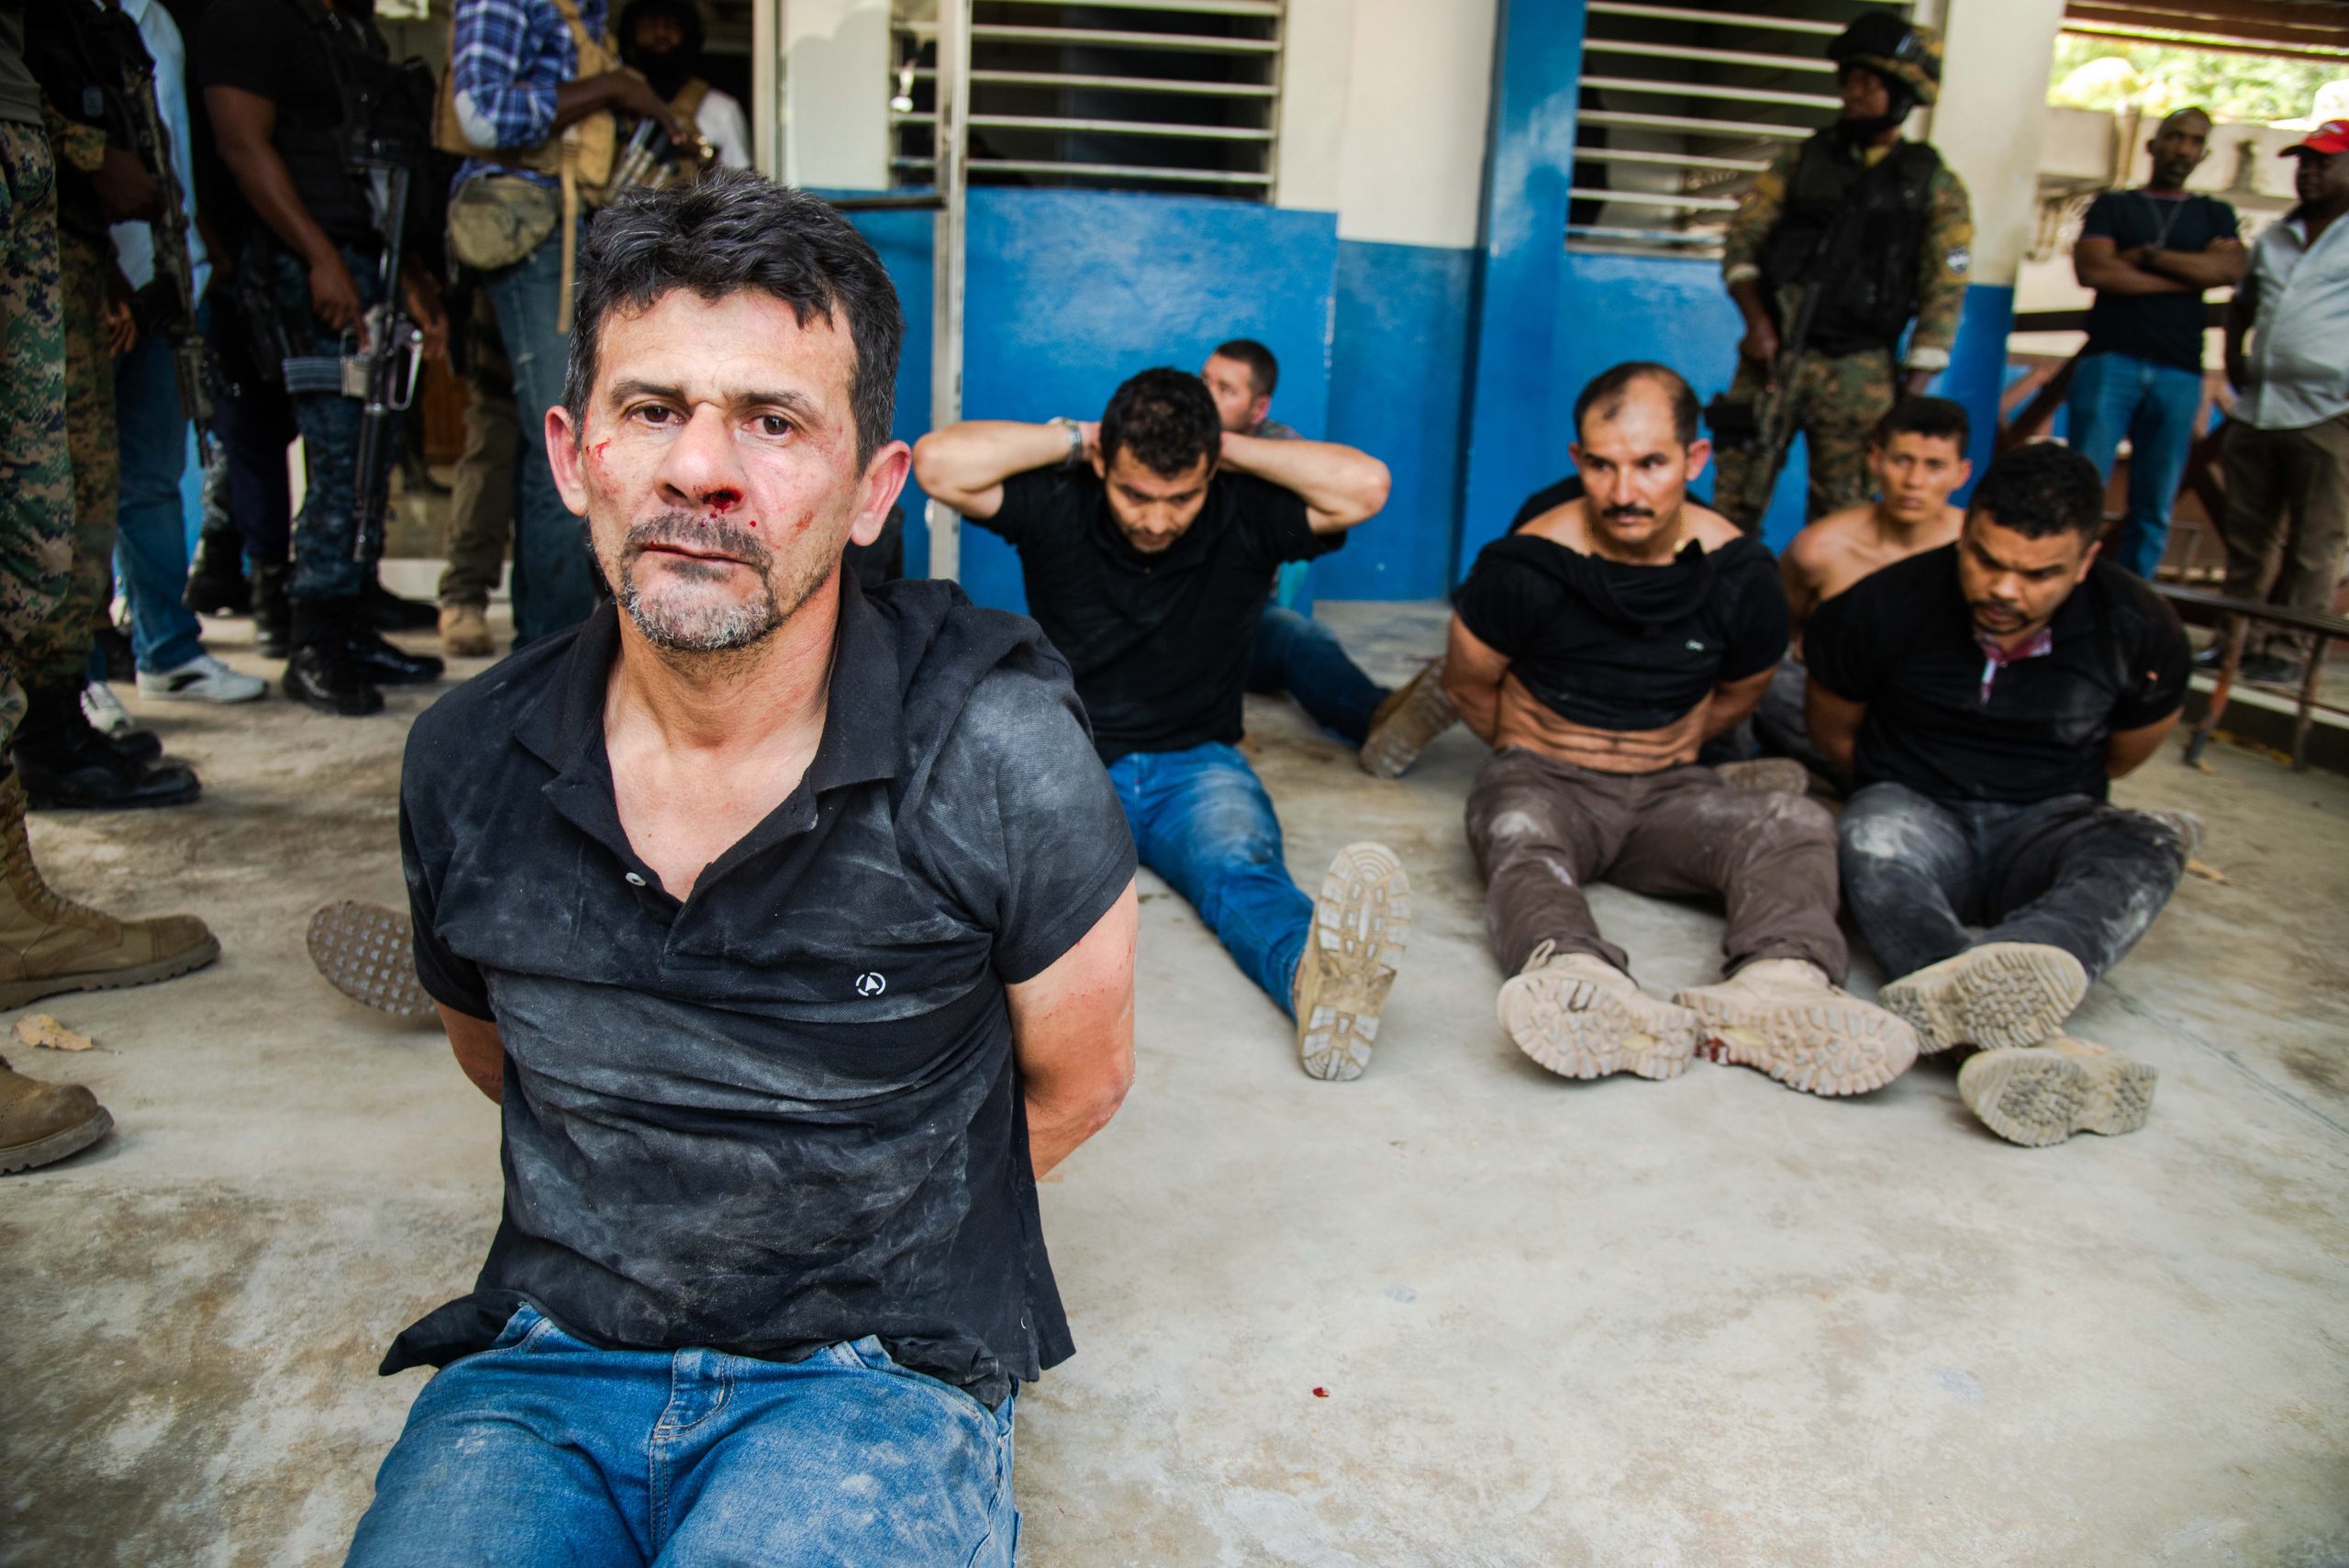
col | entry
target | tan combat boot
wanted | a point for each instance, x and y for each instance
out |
(1783, 1015)
(2045, 1093)
(1998, 996)
(40, 1123)
(49, 944)
(1359, 924)
(1403, 723)
(1580, 1017)
(464, 631)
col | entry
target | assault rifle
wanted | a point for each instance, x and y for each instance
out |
(381, 367)
(166, 305)
(1763, 426)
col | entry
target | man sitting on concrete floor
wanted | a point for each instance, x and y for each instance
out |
(1917, 455)
(1595, 650)
(1983, 696)
(1145, 548)
(793, 930)
(1295, 653)
(2286, 456)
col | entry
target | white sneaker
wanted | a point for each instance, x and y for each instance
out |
(201, 679)
(104, 710)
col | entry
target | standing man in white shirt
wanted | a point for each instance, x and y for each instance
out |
(2288, 446)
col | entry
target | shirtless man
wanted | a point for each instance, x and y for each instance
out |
(1918, 456)
(1595, 650)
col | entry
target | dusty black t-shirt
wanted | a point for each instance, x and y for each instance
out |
(1902, 641)
(1160, 643)
(784, 1113)
(2163, 327)
(1625, 648)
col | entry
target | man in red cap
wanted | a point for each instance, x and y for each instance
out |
(2287, 445)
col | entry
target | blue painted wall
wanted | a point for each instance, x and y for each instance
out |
(1397, 384)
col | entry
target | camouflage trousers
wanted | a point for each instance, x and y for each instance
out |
(1842, 397)
(36, 474)
(56, 651)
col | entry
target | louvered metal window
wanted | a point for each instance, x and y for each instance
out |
(1682, 104)
(1114, 94)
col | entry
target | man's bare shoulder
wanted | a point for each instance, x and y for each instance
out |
(1819, 545)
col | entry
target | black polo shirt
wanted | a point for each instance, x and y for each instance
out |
(1902, 641)
(785, 1112)
(1625, 648)
(1160, 643)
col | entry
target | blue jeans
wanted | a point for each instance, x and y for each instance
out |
(335, 549)
(151, 532)
(2155, 407)
(554, 574)
(1202, 820)
(544, 1449)
(1298, 655)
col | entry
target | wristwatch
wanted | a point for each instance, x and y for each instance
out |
(1076, 438)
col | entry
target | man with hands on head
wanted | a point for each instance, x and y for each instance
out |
(1983, 696)
(791, 929)
(1146, 541)
(1597, 649)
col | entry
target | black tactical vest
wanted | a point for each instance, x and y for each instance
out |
(1871, 273)
(386, 111)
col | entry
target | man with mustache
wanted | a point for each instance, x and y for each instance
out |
(1146, 543)
(791, 928)
(1595, 650)
(1983, 696)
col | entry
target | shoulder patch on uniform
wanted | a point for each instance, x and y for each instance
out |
(1960, 259)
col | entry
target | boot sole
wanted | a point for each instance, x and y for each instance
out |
(2001, 996)
(57, 1145)
(2042, 1097)
(1425, 713)
(1361, 923)
(368, 954)
(17, 994)
(1578, 1029)
(1835, 1046)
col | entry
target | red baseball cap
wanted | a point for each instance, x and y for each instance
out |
(2331, 137)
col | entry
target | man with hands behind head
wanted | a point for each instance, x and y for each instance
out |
(1146, 542)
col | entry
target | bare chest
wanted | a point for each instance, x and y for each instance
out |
(680, 815)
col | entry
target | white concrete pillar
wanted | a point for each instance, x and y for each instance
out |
(1993, 118)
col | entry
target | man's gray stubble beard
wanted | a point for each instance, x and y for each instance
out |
(709, 630)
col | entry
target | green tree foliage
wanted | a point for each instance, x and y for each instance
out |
(2097, 73)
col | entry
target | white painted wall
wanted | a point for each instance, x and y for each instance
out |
(1383, 108)
(835, 116)
(1993, 118)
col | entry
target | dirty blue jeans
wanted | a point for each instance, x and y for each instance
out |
(1202, 820)
(2153, 405)
(545, 1451)
(1298, 655)
(335, 549)
(1926, 879)
(151, 532)
(554, 574)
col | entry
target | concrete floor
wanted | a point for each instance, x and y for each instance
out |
(1709, 1322)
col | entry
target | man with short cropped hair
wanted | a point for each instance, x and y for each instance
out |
(1595, 650)
(1145, 542)
(1983, 696)
(1917, 455)
(791, 929)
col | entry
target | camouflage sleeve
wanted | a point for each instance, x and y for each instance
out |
(73, 144)
(1942, 272)
(1757, 213)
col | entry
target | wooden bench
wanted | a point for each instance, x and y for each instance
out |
(2240, 614)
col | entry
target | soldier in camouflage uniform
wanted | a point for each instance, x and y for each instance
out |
(48, 944)
(1883, 225)
(86, 58)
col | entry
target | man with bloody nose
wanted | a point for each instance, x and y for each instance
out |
(791, 928)
(1983, 696)
(1146, 542)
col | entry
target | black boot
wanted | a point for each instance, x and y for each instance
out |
(321, 673)
(113, 645)
(383, 663)
(393, 613)
(67, 765)
(273, 613)
(216, 584)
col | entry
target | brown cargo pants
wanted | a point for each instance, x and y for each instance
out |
(1543, 830)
